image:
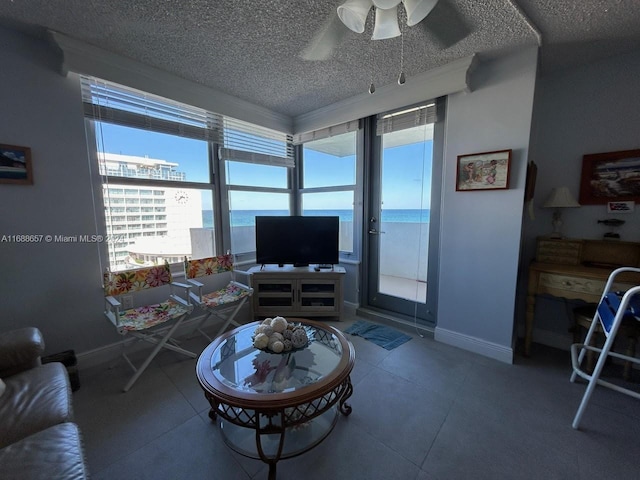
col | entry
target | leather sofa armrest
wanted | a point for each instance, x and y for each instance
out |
(20, 350)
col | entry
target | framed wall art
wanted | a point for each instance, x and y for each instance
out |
(15, 165)
(483, 171)
(610, 177)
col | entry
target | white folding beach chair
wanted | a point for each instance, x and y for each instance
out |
(613, 309)
(222, 300)
(154, 323)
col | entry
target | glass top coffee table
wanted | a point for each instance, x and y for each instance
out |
(273, 406)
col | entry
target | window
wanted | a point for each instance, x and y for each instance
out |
(338, 204)
(257, 163)
(161, 196)
(330, 162)
(252, 175)
(154, 161)
(329, 177)
(245, 206)
(181, 224)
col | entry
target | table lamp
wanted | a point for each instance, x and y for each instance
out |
(559, 198)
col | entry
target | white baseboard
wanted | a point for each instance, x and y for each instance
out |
(99, 356)
(349, 308)
(473, 344)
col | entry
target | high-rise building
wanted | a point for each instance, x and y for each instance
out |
(151, 223)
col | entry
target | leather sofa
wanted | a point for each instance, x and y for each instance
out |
(38, 439)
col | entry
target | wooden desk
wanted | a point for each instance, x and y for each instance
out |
(576, 270)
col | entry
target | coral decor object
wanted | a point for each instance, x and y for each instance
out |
(262, 371)
(277, 335)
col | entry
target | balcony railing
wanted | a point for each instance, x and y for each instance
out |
(404, 250)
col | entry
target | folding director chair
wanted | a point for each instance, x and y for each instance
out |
(224, 301)
(613, 309)
(154, 323)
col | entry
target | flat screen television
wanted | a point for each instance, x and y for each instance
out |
(297, 240)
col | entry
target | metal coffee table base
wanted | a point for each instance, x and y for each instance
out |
(281, 433)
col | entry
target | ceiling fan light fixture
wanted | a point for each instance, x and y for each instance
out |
(353, 14)
(385, 4)
(386, 24)
(417, 10)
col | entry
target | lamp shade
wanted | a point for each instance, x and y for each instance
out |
(560, 197)
(353, 14)
(385, 4)
(417, 10)
(386, 25)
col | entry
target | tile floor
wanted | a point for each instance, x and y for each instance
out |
(422, 411)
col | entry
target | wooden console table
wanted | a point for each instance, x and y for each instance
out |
(577, 270)
(297, 291)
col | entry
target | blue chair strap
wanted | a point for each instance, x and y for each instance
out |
(610, 305)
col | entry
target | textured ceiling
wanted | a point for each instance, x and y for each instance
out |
(256, 49)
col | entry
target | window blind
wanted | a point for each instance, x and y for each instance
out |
(109, 102)
(327, 132)
(245, 142)
(408, 118)
(241, 141)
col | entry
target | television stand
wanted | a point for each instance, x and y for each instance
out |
(296, 291)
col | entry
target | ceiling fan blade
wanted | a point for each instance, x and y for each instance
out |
(326, 39)
(446, 25)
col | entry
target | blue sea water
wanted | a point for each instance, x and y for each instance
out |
(240, 218)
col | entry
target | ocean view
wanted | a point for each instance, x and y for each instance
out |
(243, 218)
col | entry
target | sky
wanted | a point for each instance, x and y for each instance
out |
(406, 170)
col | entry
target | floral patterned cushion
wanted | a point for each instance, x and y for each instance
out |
(148, 316)
(117, 283)
(208, 266)
(229, 294)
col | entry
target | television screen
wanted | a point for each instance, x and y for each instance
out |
(297, 240)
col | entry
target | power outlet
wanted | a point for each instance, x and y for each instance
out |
(127, 301)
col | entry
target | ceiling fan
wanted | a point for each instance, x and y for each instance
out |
(439, 18)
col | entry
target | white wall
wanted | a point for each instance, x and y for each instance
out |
(481, 230)
(584, 110)
(53, 286)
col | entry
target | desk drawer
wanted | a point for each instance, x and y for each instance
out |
(566, 252)
(575, 287)
(571, 284)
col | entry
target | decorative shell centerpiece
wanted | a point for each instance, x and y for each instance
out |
(277, 335)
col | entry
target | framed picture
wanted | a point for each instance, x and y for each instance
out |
(15, 165)
(610, 177)
(483, 171)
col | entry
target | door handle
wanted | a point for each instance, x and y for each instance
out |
(373, 231)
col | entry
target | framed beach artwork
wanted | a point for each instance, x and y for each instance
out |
(610, 177)
(15, 165)
(483, 171)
